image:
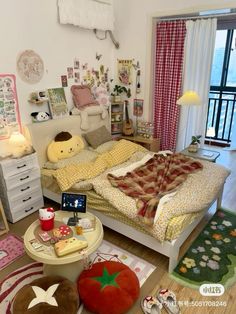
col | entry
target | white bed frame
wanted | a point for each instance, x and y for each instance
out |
(41, 134)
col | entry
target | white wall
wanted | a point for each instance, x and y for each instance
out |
(134, 25)
(33, 24)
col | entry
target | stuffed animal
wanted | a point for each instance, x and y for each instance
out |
(64, 146)
(40, 116)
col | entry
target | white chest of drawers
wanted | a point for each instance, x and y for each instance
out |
(20, 186)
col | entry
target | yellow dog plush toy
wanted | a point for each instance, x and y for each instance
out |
(64, 146)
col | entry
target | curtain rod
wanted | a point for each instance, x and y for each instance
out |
(195, 17)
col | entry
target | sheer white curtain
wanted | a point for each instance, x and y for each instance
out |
(199, 49)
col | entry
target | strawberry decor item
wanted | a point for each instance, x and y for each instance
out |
(108, 287)
(46, 218)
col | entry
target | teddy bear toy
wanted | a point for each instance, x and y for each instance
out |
(46, 218)
(40, 116)
(64, 146)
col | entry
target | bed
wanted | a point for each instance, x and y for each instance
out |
(181, 214)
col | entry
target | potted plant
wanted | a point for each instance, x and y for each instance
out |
(118, 90)
(193, 147)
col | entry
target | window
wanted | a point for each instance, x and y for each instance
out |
(222, 96)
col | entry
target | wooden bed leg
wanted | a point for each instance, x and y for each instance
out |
(219, 198)
(173, 259)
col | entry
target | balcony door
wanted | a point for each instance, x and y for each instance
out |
(222, 96)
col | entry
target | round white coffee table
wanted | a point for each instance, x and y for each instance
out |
(68, 266)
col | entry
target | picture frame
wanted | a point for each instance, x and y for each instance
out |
(138, 107)
(57, 103)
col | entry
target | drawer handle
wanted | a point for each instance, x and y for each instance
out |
(28, 210)
(24, 178)
(18, 167)
(25, 189)
(27, 199)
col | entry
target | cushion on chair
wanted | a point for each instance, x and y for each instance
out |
(65, 295)
(108, 287)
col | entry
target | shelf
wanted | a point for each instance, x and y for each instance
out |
(119, 112)
(117, 103)
(37, 102)
(117, 122)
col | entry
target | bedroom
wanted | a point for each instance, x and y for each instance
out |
(37, 28)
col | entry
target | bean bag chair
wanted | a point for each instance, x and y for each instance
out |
(108, 287)
(47, 295)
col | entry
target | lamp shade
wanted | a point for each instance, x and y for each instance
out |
(189, 98)
(211, 132)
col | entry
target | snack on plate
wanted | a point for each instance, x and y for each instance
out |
(70, 245)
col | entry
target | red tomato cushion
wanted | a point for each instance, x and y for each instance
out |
(108, 287)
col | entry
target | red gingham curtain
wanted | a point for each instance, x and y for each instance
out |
(170, 38)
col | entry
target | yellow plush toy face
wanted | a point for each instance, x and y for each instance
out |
(64, 149)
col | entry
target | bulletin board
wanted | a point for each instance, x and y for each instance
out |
(9, 109)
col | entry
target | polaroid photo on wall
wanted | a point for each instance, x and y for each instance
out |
(70, 72)
(76, 63)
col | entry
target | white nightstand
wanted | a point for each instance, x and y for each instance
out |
(20, 186)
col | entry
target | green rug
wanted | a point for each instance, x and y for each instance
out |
(212, 256)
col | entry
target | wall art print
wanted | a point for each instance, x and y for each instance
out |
(138, 107)
(9, 109)
(57, 102)
(125, 68)
(30, 67)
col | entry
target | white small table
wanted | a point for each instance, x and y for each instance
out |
(68, 266)
(202, 153)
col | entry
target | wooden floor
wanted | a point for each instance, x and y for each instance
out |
(163, 280)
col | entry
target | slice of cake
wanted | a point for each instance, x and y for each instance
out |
(64, 247)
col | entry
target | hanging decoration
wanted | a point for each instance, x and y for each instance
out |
(125, 71)
(30, 67)
(138, 86)
(9, 111)
(138, 107)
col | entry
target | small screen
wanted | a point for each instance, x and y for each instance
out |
(74, 202)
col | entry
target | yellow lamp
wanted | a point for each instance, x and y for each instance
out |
(189, 98)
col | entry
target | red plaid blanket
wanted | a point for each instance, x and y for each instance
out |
(157, 177)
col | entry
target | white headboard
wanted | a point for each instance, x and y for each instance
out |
(40, 134)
